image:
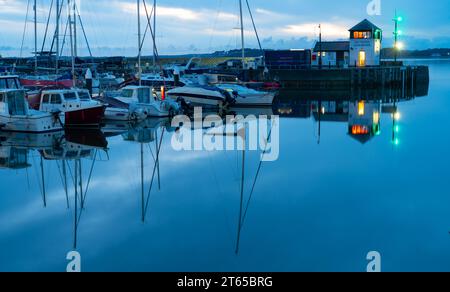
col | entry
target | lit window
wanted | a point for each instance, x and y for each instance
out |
(360, 130)
(376, 117)
(361, 108)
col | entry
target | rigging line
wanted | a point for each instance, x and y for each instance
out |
(149, 19)
(47, 25)
(28, 178)
(254, 25)
(90, 174)
(155, 49)
(256, 177)
(37, 176)
(214, 26)
(64, 38)
(84, 32)
(61, 176)
(24, 30)
(87, 186)
(55, 34)
(153, 175)
(146, 29)
(151, 152)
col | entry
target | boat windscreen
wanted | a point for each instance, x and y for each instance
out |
(70, 96)
(9, 83)
(127, 93)
(17, 105)
(144, 95)
(84, 95)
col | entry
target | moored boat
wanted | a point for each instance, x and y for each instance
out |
(205, 96)
(137, 102)
(79, 108)
(16, 116)
(248, 97)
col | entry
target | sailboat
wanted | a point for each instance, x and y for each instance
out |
(46, 80)
(79, 108)
(138, 102)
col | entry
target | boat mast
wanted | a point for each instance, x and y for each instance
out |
(71, 43)
(57, 35)
(35, 37)
(154, 33)
(75, 50)
(242, 34)
(139, 41)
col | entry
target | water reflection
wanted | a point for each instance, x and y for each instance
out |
(179, 188)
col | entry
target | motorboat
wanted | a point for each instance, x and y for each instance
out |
(137, 102)
(16, 115)
(79, 108)
(201, 95)
(245, 96)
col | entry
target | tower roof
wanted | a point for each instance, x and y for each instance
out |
(365, 25)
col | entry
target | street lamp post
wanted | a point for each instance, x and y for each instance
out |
(320, 46)
(396, 20)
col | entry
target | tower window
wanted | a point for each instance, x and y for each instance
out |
(362, 34)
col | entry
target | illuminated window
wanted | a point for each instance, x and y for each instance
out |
(361, 108)
(376, 117)
(360, 130)
(362, 34)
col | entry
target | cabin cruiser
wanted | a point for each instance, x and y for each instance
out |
(79, 108)
(248, 97)
(16, 115)
(137, 102)
(200, 95)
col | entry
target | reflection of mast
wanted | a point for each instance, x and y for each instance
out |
(43, 183)
(242, 211)
(75, 227)
(65, 182)
(142, 182)
(320, 122)
(155, 167)
(242, 134)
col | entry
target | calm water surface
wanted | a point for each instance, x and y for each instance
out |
(322, 206)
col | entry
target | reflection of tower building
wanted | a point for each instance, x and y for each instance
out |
(365, 44)
(330, 111)
(364, 120)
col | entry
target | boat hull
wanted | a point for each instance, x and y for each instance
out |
(255, 100)
(31, 124)
(203, 101)
(46, 83)
(85, 117)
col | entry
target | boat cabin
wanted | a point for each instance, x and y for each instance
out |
(65, 100)
(137, 94)
(13, 103)
(9, 82)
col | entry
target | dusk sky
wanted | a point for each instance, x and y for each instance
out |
(198, 26)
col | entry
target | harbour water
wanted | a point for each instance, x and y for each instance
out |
(322, 206)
